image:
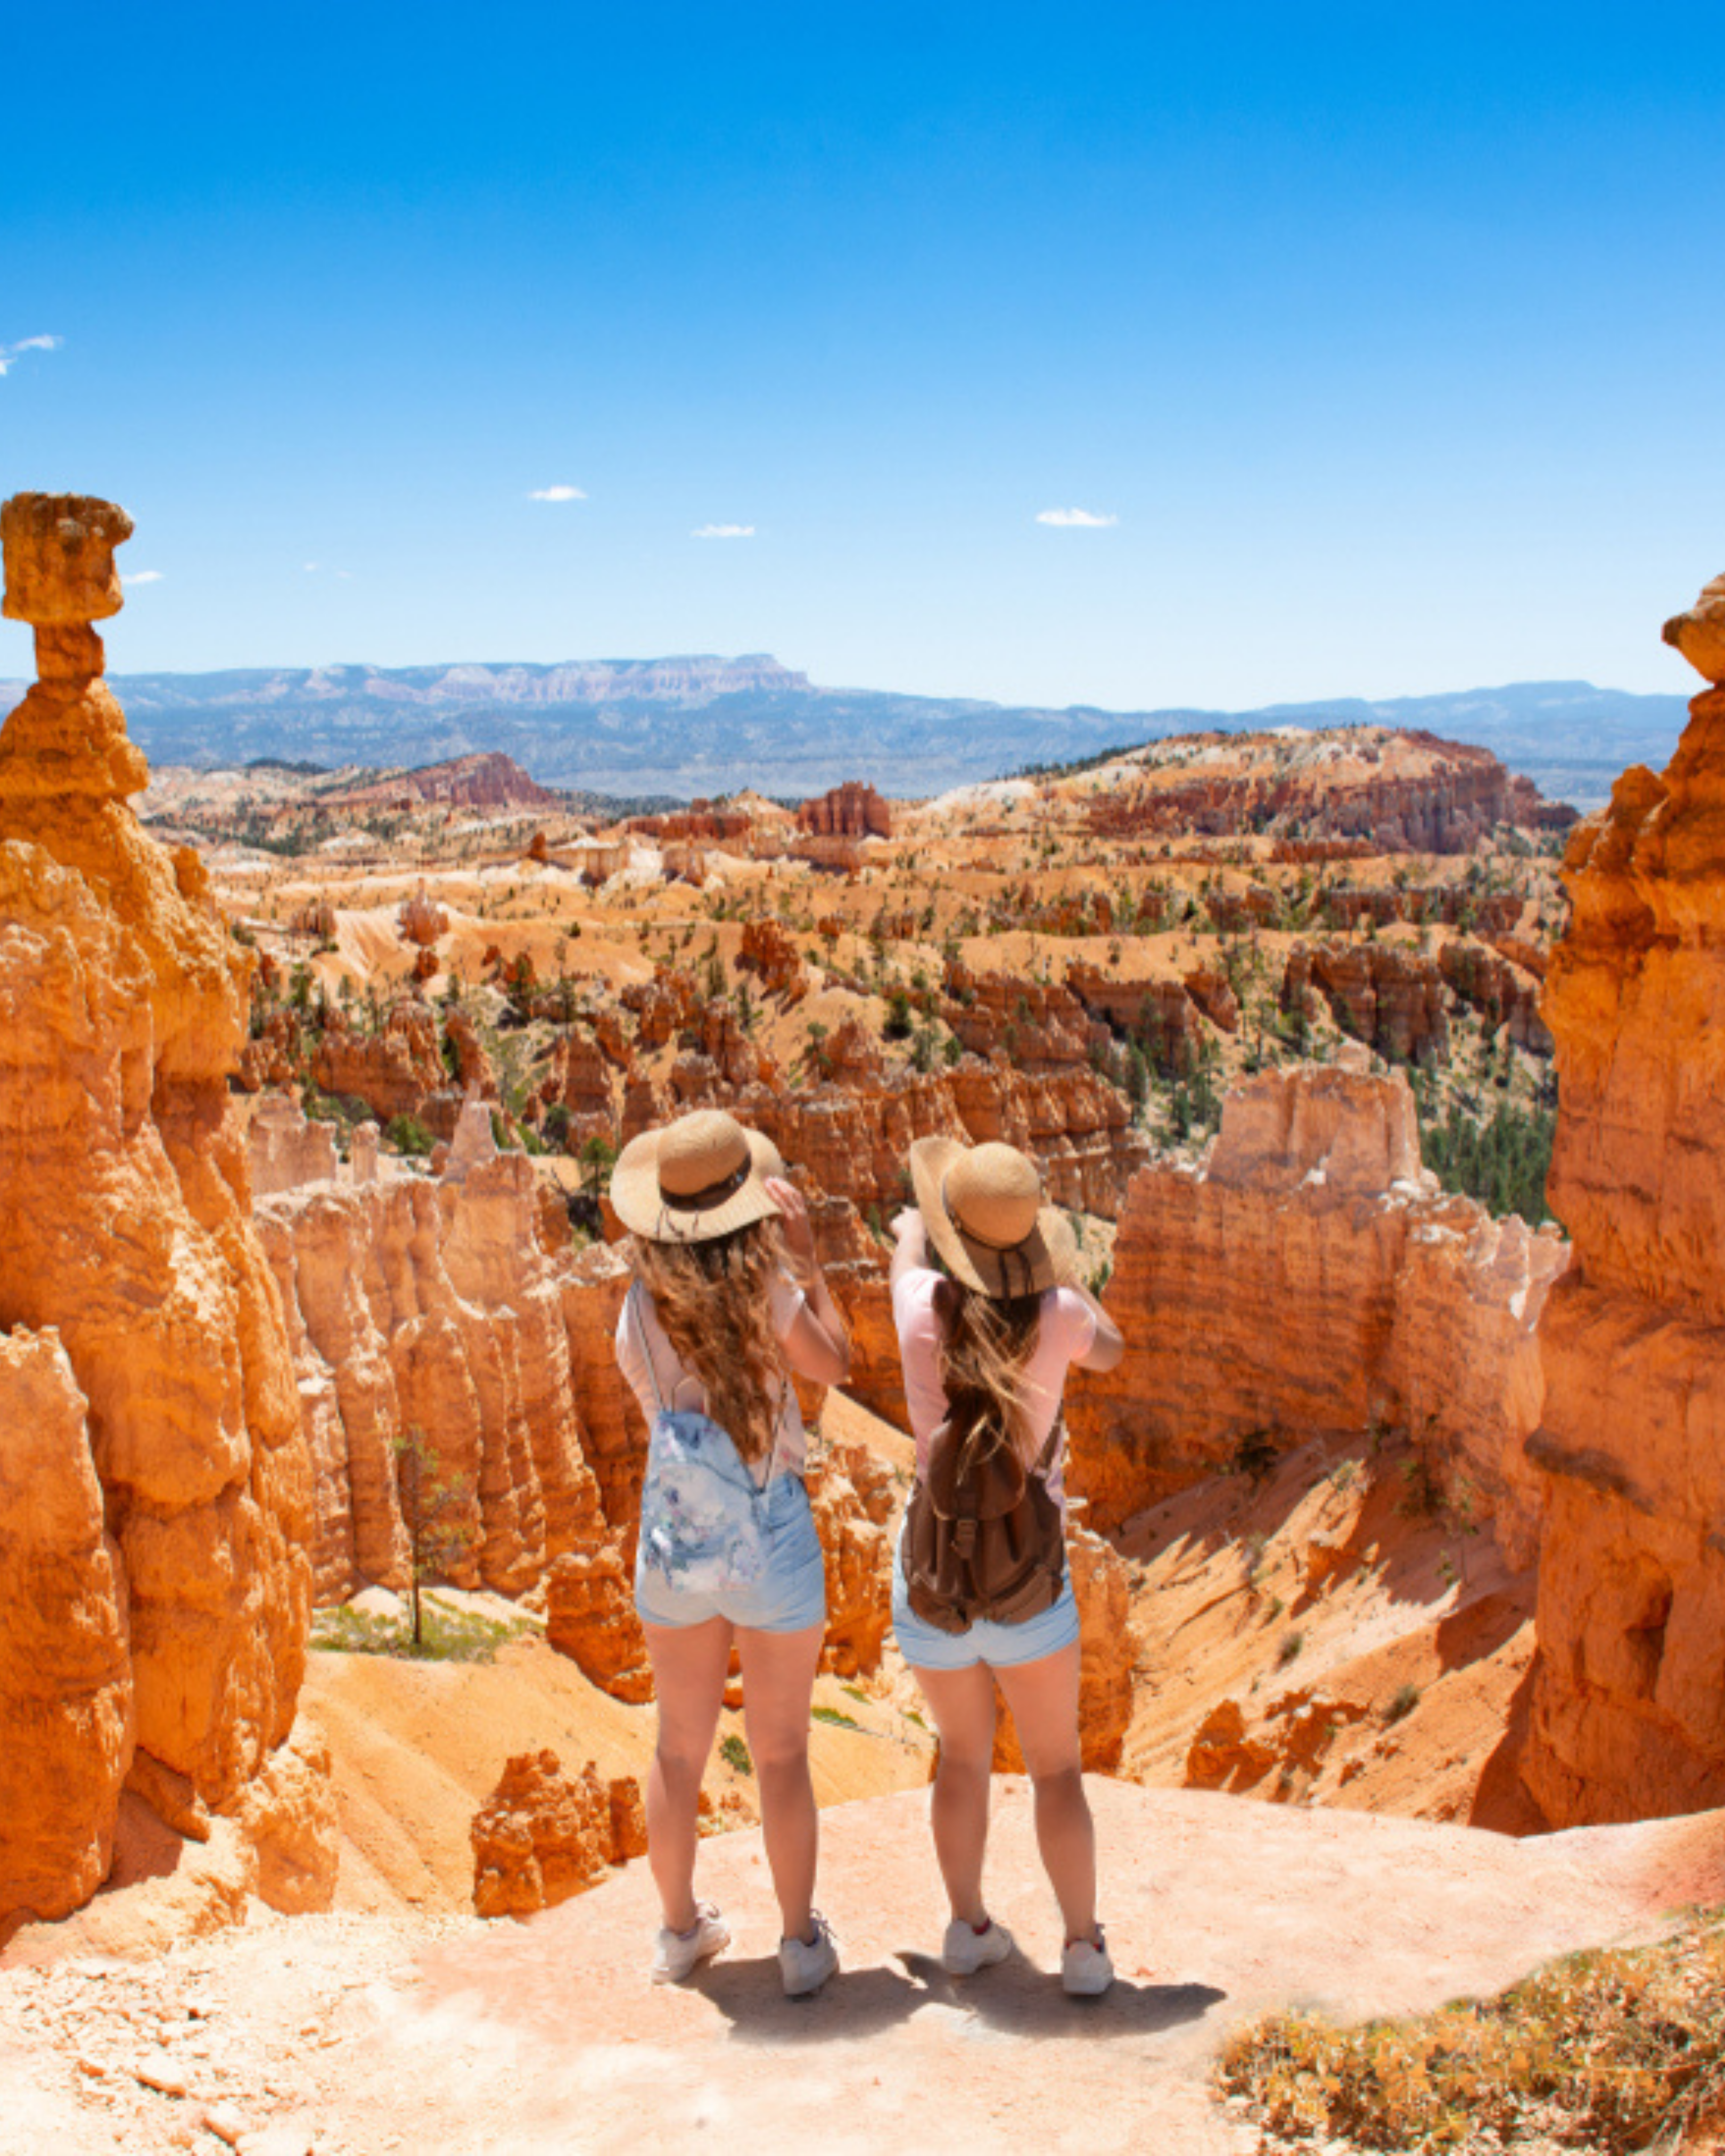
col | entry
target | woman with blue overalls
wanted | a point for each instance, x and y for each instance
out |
(727, 1302)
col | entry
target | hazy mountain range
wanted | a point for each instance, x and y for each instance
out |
(706, 724)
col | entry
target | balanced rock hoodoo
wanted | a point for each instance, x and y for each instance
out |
(128, 1252)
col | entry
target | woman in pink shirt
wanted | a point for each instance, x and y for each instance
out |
(987, 1311)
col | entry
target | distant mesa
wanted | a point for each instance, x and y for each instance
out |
(706, 725)
(487, 781)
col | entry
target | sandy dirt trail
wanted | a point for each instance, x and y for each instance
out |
(348, 2035)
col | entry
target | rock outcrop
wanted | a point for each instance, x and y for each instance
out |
(590, 1617)
(1395, 1000)
(1310, 1280)
(440, 1307)
(850, 811)
(125, 1196)
(853, 1498)
(543, 1836)
(1405, 792)
(1107, 1653)
(422, 920)
(65, 1668)
(285, 1149)
(1628, 1712)
(398, 1070)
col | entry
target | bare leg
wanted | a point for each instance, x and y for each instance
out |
(689, 1663)
(962, 1704)
(1044, 1699)
(778, 1683)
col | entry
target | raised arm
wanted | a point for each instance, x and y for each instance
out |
(817, 1345)
(912, 1251)
(1109, 1345)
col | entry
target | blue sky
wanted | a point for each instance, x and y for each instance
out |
(1392, 340)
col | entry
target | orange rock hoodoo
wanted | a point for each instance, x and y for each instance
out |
(543, 1836)
(1629, 1713)
(144, 1343)
(1310, 1280)
(850, 811)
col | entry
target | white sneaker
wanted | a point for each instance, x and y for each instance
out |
(967, 1950)
(805, 1964)
(676, 1953)
(1085, 1970)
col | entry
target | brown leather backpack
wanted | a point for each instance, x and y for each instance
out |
(982, 1537)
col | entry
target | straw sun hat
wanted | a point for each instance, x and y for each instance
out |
(700, 1177)
(983, 1207)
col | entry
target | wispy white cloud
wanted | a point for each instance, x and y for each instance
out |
(312, 567)
(1087, 519)
(557, 494)
(144, 576)
(10, 352)
(723, 531)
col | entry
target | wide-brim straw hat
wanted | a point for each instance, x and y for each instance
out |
(983, 1207)
(700, 1177)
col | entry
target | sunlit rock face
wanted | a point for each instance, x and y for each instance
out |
(1310, 1280)
(125, 1201)
(437, 1307)
(65, 1668)
(1629, 1707)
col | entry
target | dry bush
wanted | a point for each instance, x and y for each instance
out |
(1608, 2052)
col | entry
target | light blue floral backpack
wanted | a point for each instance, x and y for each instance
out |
(704, 1519)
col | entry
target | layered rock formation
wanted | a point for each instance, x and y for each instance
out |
(1405, 791)
(440, 1307)
(124, 1192)
(1108, 1652)
(850, 811)
(487, 780)
(543, 1836)
(1391, 998)
(422, 920)
(590, 1617)
(1310, 1280)
(1629, 1713)
(65, 1666)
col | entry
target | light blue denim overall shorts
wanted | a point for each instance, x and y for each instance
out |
(715, 1543)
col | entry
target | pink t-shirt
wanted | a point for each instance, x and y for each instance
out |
(641, 1335)
(1066, 1331)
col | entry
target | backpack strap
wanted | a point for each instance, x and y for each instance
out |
(1044, 1460)
(640, 1325)
(636, 1312)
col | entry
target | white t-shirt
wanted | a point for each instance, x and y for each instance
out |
(641, 1335)
(1066, 1330)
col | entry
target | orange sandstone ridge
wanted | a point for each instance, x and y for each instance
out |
(145, 1344)
(1629, 1713)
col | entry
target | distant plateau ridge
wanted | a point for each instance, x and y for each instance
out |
(706, 725)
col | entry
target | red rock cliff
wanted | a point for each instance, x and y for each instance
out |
(1310, 1280)
(125, 1206)
(1628, 1710)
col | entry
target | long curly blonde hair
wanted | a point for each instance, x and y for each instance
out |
(713, 1301)
(985, 1349)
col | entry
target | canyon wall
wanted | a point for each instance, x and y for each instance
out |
(1309, 1279)
(160, 1361)
(1627, 1705)
(437, 1306)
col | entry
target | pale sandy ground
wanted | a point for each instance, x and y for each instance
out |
(350, 2035)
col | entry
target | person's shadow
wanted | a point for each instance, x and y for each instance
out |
(1011, 1998)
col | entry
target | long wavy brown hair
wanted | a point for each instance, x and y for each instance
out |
(986, 1345)
(713, 1303)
